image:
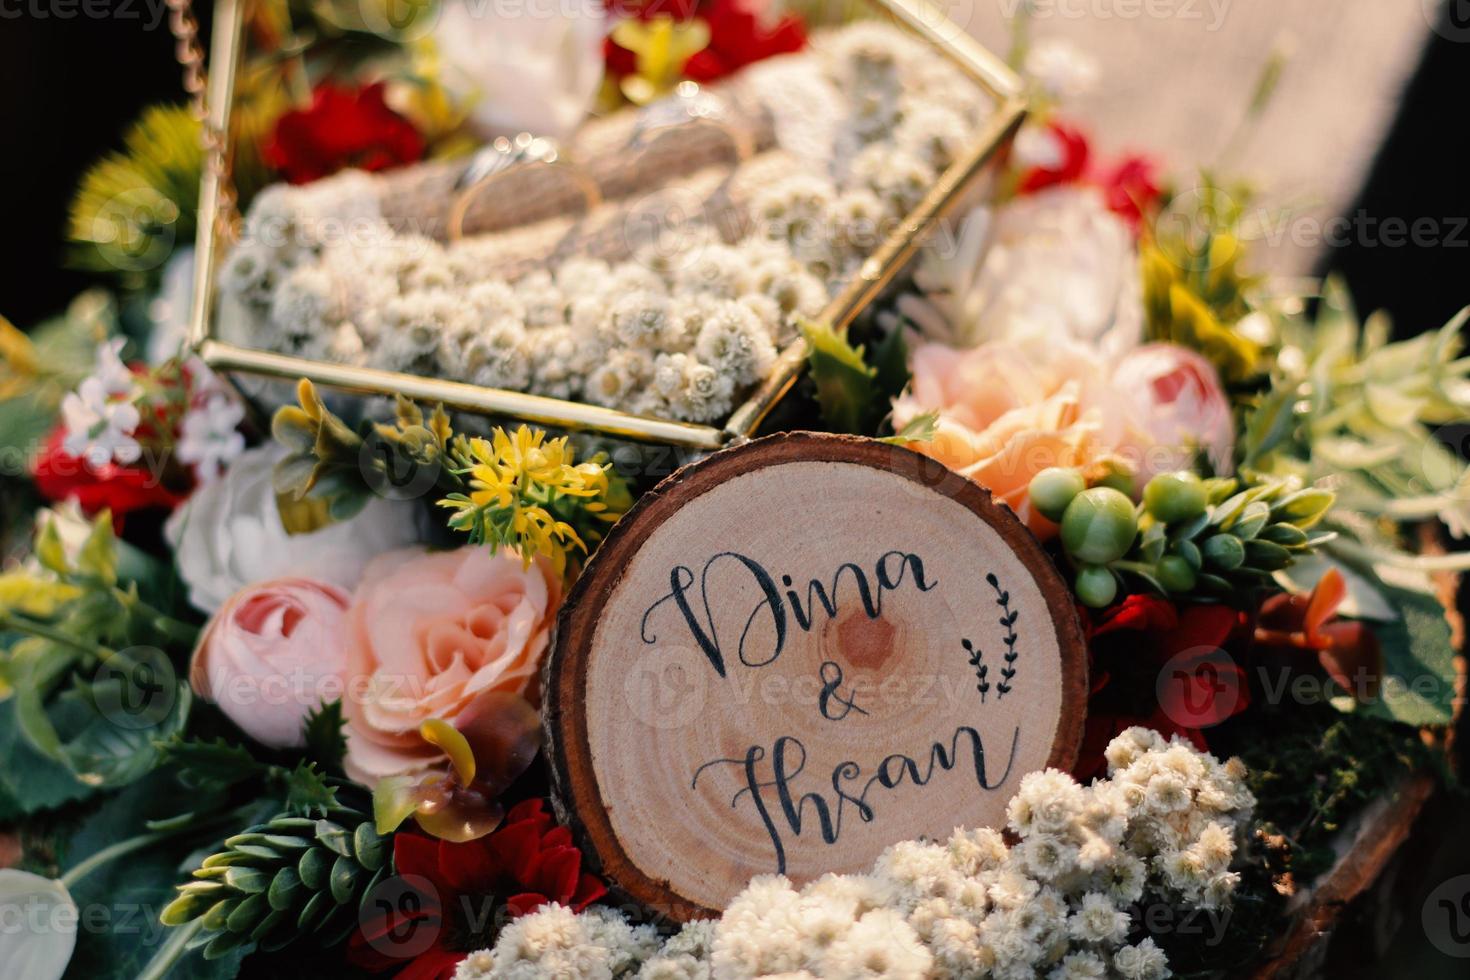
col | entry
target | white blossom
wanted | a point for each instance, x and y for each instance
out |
(99, 428)
(209, 436)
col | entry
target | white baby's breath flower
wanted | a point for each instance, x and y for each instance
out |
(1060, 68)
(1081, 965)
(114, 376)
(99, 428)
(879, 945)
(209, 436)
(932, 133)
(1098, 920)
(1144, 961)
(733, 342)
(645, 320)
(544, 302)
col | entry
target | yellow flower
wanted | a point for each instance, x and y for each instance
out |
(661, 45)
(525, 491)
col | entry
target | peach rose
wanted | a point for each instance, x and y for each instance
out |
(1005, 414)
(431, 634)
(272, 653)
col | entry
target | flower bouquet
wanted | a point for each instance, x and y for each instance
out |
(271, 692)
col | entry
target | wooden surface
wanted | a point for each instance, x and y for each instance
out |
(660, 717)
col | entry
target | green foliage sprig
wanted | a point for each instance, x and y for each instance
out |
(288, 879)
(1349, 408)
(517, 489)
(80, 646)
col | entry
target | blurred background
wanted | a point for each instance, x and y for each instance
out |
(1361, 144)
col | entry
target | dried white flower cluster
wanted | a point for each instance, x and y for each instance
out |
(320, 274)
(1163, 827)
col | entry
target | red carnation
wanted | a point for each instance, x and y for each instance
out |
(1068, 170)
(1130, 189)
(122, 489)
(460, 894)
(344, 127)
(1162, 667)
(737, 38)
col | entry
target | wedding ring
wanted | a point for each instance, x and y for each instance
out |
(689, 105)
(506, 155)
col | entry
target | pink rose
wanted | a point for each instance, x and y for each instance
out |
(1182, 406)
(431, 636)
(272, 653)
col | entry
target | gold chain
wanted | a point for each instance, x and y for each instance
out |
(190, 55)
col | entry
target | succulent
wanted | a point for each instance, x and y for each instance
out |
(289, 878)
(1190, 538)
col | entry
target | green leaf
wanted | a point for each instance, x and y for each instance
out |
(49, 550)
(33, 782)
(891, 364)
(1418, 686)
(325, 742)
(98, 554)
(846, 388)
(920, 428)
(214, 765)
(307, 791)
(117, 747)
(1268, 425)
(135, 888)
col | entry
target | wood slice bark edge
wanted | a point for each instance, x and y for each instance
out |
(575, 794)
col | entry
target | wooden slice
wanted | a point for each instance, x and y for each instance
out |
(795, 653)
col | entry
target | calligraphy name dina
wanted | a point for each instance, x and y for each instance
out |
(782, 606)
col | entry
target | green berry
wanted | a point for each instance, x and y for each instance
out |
(1096, 586)
(1223, 551)
(1119, 480)
(1174, 497)
(1099, 526)
(1053, 489)
(1175, 574)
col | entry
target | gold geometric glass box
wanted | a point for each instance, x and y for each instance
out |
(958, 184)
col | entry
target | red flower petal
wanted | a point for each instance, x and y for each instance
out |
(1069, 170)
(1352, 657)
(433, 964)
(589, 889)
(1138, 612)
(342, 128)
(525, 902)
(556, 873)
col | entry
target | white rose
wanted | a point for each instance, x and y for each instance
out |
(229, 535)
(1057, 264)
(532, 70)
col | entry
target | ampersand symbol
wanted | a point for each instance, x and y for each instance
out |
(831, 675)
